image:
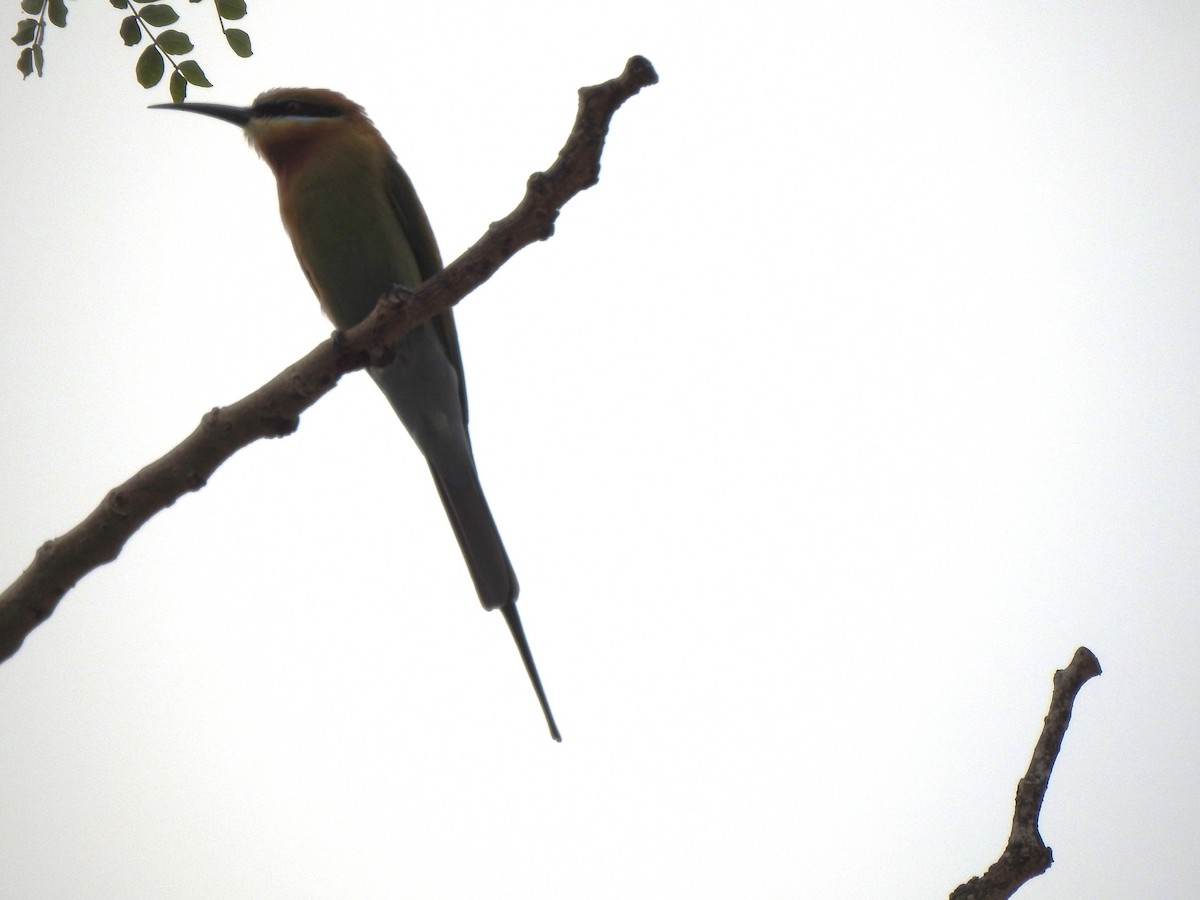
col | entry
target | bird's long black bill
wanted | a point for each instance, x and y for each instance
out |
(237, 115)
(514, 625)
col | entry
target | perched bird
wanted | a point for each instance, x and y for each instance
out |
(358, 228)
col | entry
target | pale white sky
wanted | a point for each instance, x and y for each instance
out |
(858, 394)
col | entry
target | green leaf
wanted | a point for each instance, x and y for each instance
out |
(175, 42)
(239, 41)
(31, 6)
(231, 9)
(119, 4)
(58, 13)
(38, 60)
(26, 29)
(190, 69)
(160, 14)
(25, 63)
(178, 87)
(130, 31)
(150, 67)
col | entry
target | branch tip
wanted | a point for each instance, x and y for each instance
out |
(640, 71)
(1026, 856)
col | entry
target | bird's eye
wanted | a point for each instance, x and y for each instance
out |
(292, 107)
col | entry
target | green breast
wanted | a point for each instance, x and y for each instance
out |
(348, 240)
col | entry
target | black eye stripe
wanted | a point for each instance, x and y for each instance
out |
(285, 107)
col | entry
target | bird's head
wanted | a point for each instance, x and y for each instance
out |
(285, 125)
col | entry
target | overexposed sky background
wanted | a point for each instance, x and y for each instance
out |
(861, 391)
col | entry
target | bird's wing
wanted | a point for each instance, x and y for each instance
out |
(412, 219)
(415, 223)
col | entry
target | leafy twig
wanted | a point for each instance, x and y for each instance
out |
(141, 21)
(31, 33)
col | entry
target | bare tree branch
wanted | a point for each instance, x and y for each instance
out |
(1026, 855)
(274, 409)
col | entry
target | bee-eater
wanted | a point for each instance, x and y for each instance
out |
(358, 228)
